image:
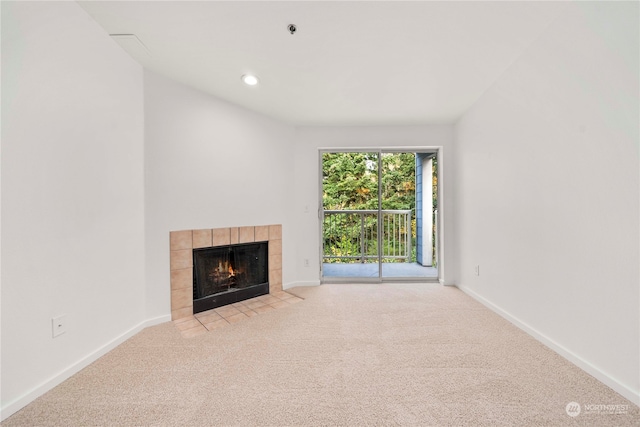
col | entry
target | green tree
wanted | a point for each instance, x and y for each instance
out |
(398, 181)
(350, 181)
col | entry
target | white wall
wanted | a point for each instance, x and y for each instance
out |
(547, 192)
(209, 164)
(308, 142)
(72, 195)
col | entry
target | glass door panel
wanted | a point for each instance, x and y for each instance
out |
(350, 215)
(398, 201)
(406, 198)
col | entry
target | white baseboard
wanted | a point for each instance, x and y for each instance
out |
(296, 284)
(592, 370)
(17, 404)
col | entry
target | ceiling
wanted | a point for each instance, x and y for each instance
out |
(349, 62)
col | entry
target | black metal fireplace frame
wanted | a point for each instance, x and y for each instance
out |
(231, 297)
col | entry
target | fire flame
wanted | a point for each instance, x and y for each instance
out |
(231, 273)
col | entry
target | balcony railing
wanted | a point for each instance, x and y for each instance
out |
(352, 235)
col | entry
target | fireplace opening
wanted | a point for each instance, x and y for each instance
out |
(227, 274)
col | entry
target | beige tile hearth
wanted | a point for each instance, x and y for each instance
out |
(224, 316)
(263, 309)
(279, 304)
(213, 325)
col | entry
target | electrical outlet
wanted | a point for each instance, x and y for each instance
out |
(306, 262)
(477, 269)
(59, 325)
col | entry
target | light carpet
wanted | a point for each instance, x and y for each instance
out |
(348, 355)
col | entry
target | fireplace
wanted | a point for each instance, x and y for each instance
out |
(184, 242)
(227, 274)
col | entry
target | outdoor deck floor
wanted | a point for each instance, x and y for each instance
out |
(396, 269)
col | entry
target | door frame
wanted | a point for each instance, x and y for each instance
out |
(437, 150)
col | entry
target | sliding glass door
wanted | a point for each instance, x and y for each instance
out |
(374, 215)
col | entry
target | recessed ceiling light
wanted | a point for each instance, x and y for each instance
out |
(250, 79)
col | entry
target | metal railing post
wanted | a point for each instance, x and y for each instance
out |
(407, 237)
(436, 236)
(362, 239)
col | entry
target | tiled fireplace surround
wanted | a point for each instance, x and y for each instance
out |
(183, 242)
